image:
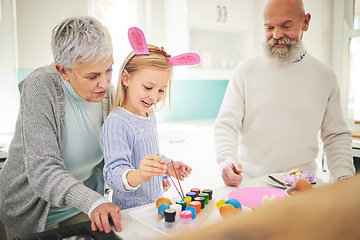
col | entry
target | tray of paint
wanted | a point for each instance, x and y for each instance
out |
(148, 216)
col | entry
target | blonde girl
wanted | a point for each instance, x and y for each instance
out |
(134, 168)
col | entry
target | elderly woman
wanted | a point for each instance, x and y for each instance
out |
(53, 174)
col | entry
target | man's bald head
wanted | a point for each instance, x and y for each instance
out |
(295, 7)
(285, 22)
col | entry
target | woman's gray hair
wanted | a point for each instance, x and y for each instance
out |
(80, 39)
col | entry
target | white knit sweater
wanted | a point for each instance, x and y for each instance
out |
(271, 115)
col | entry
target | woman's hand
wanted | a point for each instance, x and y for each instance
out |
(100, 217)
(182, 170)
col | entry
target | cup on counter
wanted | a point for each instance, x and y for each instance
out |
(289, 190)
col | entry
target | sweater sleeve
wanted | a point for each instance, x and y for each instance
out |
(229, 121)
(115, 138)
(337, 136)
(42, 134)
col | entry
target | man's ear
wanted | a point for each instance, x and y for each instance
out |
(306, 22)
(63, 72)
(125, 78)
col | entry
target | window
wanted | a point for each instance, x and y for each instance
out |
(9, 103)
(118, 16)
(353, 20)
(354, 80)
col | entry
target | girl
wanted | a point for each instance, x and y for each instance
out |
(133, 167)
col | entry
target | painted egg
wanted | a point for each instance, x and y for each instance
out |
(161, 209)
(162, 201)
(303, 185)
(233, 202)
(220, 203)
(227, 210)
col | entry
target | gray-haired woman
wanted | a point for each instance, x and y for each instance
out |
(53, 174)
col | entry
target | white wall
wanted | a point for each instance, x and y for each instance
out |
(25, 32)
(8, 92)
(35, 20)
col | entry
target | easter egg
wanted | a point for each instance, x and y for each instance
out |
(228, 210)
(303, 185)
(162, 201)
(162, 208)
(220, 203)
(233, 202)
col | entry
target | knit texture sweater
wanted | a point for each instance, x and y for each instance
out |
(34, 174)
(271, 115)
(126, 139)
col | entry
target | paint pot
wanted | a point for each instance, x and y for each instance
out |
(169, 217)
(202, 200)
(208, 191)
(206, 196)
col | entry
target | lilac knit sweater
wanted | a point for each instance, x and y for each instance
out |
(127, 138)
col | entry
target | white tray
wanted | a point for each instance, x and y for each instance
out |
(148, 216)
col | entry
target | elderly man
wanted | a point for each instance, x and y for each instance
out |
(277, 102)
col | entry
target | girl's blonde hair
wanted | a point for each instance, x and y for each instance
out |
(154, 60)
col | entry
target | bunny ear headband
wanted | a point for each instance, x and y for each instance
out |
(138, 43)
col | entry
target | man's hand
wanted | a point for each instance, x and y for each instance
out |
(231, 174)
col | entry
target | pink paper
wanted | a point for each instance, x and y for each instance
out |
(252, 197)
(185, 59)
(137, 41)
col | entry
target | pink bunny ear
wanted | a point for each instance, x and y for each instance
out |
(137, 41)
(185, 59)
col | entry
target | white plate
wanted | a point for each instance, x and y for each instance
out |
(278, 176)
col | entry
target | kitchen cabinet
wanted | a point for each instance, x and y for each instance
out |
(218, 30)
(218, 14)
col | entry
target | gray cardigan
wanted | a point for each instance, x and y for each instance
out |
(34, 175)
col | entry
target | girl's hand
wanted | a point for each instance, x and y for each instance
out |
(166, 185)
(182, 170)
(150, 166)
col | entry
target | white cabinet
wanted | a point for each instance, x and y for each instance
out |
(218, 30)
(218, 14)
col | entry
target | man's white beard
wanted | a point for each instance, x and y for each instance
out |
(293, 50)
